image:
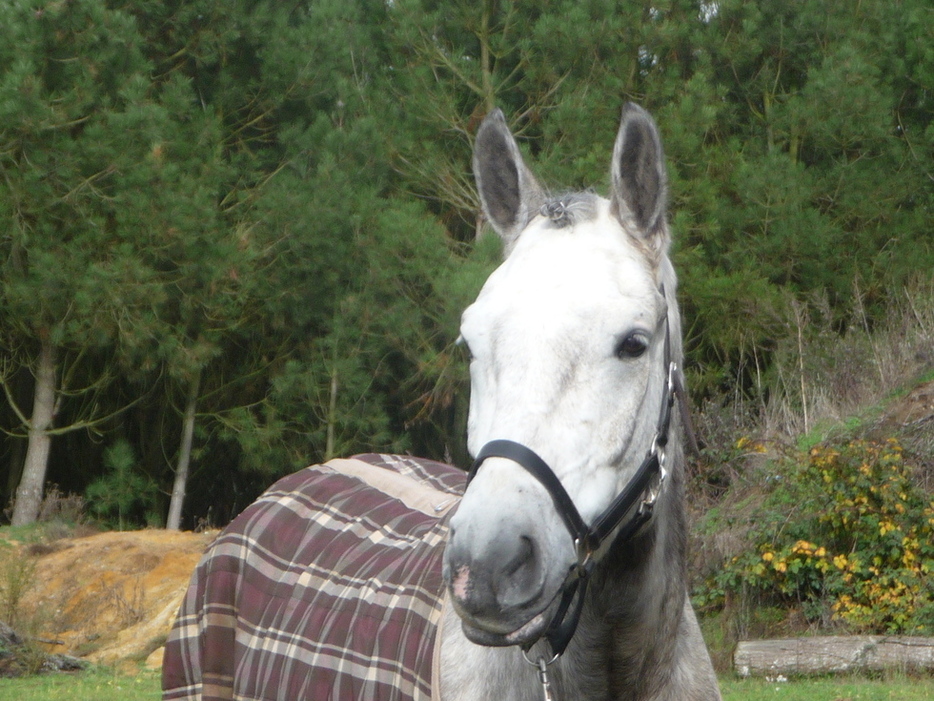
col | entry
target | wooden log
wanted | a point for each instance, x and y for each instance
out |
(832, 655)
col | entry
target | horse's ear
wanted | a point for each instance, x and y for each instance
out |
(509, 193)
(640, 183)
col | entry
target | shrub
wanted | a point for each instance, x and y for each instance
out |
(845, 534)
(123, 489)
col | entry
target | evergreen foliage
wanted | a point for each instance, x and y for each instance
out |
(122, 490)
(260, 214)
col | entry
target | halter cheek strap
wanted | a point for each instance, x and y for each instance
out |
(610, 526)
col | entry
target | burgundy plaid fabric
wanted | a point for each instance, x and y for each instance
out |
(327, 588)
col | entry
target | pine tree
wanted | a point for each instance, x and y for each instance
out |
(75, 125)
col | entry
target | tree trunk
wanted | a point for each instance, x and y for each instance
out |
(31, 486)
(179, 488)
(832, 655)
(332, 416)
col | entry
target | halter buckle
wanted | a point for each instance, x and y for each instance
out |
(584, 554)
(658, 449)
(648, 503)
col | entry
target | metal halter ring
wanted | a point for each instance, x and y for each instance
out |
(537, 664)
(542, 667)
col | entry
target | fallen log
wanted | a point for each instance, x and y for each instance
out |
(18, 657)
(833, 655)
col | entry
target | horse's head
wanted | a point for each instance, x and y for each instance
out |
(568, 346)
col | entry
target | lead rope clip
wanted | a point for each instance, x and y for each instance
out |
(542, 667)
(543, 678)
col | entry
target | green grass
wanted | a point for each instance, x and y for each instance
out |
(96, 685)
(107, 685)
(897, 688)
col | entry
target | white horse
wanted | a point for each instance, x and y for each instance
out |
(574, 341)
(564, 564)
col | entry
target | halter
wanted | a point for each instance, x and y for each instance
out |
(592, 542)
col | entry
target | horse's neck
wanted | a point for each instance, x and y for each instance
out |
(474, 673)
(635, 609)
(643, 629)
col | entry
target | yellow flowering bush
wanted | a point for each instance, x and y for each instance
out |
(845, 532)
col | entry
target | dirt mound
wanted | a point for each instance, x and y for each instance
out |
(109, 597)
(917, 407)
(911, 419)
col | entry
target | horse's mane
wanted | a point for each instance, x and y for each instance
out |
(570, 208)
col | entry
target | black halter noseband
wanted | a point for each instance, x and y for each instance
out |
(590, 541)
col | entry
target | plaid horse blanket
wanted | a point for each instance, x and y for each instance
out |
(327, 588)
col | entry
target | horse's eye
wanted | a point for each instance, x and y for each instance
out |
(632, 346)
(462, 342)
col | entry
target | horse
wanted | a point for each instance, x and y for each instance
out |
(556, 567)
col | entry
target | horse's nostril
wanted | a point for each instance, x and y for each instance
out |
(524, 554)
(524, 579)
(486, 581)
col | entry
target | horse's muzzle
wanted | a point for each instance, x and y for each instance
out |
(498, 586)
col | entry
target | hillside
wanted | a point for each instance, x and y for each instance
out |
(107, 598)
(823, 532)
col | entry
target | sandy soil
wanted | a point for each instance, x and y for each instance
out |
(914, 408)
(111, 597)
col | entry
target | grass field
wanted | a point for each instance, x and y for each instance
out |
(96, 685)
(897, 688)
(106, 685)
